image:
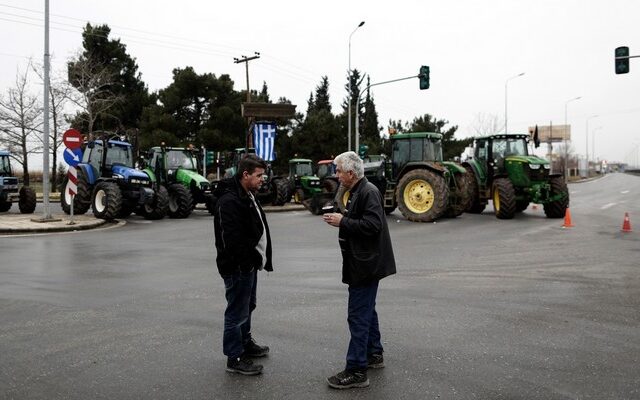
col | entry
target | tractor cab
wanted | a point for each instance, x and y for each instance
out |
(5, 165)
(10, 191)
(326, 168)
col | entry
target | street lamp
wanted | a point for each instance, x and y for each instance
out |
(587, 143)
(349, 106)
(566, 150)
(593, 142)
(505, 99)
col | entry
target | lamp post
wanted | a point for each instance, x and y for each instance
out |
(566, 150)
(349, 106)
(593, 142)
(587, 143)
(505, 99)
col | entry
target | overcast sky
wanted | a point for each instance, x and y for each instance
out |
(564, 47)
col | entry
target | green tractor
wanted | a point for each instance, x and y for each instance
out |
(274, 189)
(416, 180)
(177, 170)
(504, 172)
(9, 192)
(313, 191)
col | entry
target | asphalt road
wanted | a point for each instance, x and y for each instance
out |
(480, 309)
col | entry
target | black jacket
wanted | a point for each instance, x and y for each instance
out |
(364, 238)
(238, 229)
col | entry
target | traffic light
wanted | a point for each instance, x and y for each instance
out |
(362, 150)
(424, 77)
(211, 157)
(622, 64)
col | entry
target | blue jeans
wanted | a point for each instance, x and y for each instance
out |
(240, 291)
(363, 325)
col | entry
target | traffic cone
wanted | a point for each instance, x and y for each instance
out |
(567, 219)
(626, 225)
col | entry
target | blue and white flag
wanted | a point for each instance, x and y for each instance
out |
(264, 138)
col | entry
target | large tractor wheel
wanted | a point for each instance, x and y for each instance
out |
(464, 195)
(280, 189)
(159, 207)
(504, 198)
(557, 209)
(107, 201)
(341, 199)
(180, 201)
(82, 199)
(422, 195)
(476, 206)
(27, 200)
(330, 185)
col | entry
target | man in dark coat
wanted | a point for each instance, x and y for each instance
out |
(367, 257)
(243, 246)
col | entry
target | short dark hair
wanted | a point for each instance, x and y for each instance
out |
(249, 163)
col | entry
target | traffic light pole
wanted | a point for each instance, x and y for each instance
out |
(358, 103)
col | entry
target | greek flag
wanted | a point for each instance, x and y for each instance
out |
(264, 136)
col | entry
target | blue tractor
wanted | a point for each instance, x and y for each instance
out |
(111, 186)
(9, 192)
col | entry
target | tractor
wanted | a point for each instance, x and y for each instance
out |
(177, 170)
(416, 180)
(313, 190)
(111, 186)
(504, 172)
(274, 190)
(9, 192)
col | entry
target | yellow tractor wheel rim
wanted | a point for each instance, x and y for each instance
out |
(496, 199)
(296, 197)
(418, 196)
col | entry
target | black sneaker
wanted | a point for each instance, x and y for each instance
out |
(252, 349)
(243, 366)
(349, 379)
(375, 361)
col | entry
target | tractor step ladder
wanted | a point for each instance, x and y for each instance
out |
(389, 194)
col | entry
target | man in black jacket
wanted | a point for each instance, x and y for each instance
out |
(243, 246)
(367, 257)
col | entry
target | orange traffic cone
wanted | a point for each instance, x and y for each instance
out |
(567, 219)
(626, 225)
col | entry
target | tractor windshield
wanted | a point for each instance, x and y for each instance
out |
(325, 170)
(120, 155)
(180, 159)
(5, 167)
(304, 170)
(505, 147)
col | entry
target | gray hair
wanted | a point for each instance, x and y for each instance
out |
(350, 161)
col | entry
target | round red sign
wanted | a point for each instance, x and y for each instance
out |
(72, 139)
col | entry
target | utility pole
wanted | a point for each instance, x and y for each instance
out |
(245, 60)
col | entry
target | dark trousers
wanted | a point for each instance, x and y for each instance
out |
(240, 291)
(363, 325)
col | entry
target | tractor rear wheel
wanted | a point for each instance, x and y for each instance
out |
(463, 195)
(329, 185)
(107, 201)
(280, 189)
(27, 200)
(82, 199)
(422, 195)
(159, 207)
(180, 201)
(298, 196)
(504, 198)
(476, 206)
(557, 209)
(342, 198)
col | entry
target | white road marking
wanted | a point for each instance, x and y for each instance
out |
(604, 207)
(624, 192)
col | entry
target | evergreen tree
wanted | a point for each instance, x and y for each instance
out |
(369, 129)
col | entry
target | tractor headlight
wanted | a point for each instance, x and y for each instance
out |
(547, 166)
(534, 166)
(136, 181)
(314, 183)
(118, 176)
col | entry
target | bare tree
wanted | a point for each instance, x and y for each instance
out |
(20, 121)
(93, 95)
(486, 124)
(59, 94)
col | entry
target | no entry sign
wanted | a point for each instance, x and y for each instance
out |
(72, 139)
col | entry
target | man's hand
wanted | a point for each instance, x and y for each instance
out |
(332, 219)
